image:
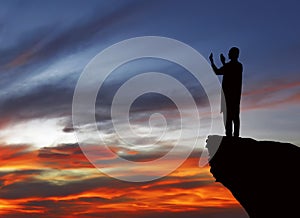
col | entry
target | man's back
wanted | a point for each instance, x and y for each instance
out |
(232, 82)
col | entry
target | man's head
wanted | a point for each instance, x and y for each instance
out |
(233, 53)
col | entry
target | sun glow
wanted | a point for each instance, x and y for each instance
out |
(37, 132)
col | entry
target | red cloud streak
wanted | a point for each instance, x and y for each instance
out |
(60, 182)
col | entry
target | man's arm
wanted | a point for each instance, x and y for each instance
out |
(223, 59)
(214, 67)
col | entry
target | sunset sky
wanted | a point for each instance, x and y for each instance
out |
(44, 47)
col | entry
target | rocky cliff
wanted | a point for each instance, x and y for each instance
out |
(264, 176)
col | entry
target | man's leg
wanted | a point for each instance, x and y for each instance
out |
(227, 119)
(236, 122)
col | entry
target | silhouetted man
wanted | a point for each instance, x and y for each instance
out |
(232, 88)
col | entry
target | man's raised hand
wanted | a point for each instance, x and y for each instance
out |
(222, 58)
(211, 58)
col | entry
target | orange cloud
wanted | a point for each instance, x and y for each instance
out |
(18, 157)
(60, 182)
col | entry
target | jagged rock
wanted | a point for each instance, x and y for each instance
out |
(262, 175)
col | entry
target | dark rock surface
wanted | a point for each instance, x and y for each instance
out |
(264, 176)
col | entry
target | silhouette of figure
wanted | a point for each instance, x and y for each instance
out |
(232, 88)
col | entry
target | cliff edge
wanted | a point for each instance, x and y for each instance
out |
(262, 175)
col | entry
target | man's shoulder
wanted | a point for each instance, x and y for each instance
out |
(234, 64)
(240, 65)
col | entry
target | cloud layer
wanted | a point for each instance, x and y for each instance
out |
(44, 46)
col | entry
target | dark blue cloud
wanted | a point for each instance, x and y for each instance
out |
(65, 35)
